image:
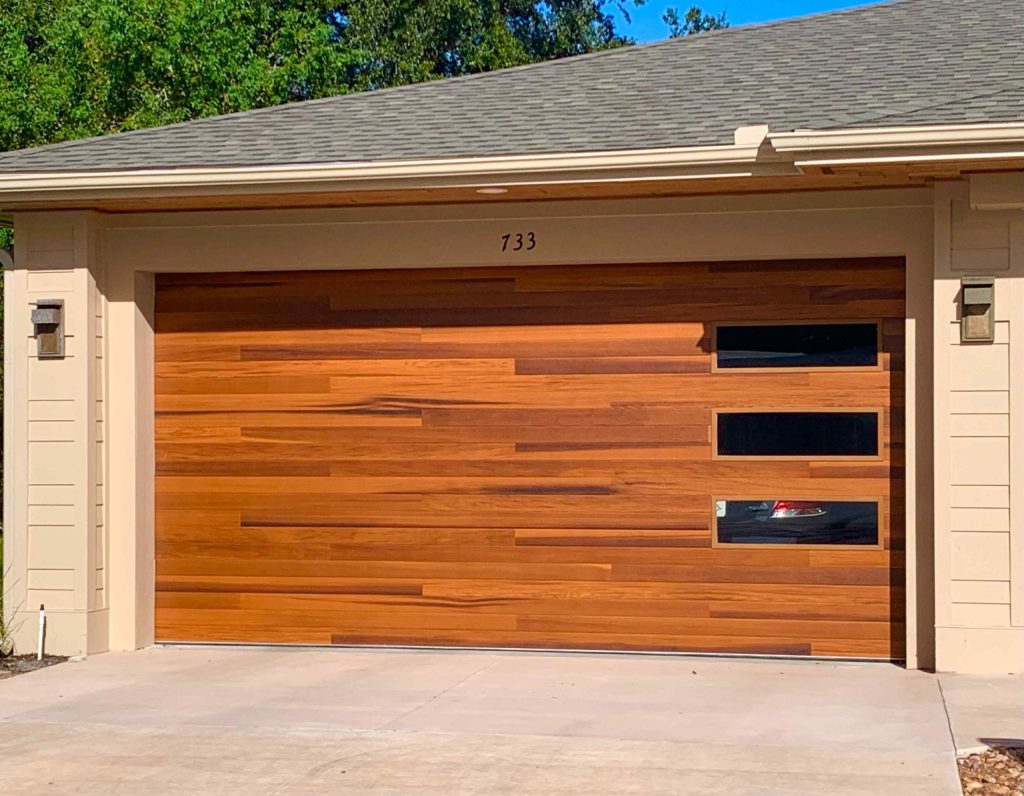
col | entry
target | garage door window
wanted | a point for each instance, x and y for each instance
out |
(798, 434)
(797, 522)
(796, 346)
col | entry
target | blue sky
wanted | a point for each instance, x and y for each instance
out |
(648, 26)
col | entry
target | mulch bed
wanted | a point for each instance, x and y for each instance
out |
(995, 772)
(19, 664)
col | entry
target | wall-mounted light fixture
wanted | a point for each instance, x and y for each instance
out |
(977, 309)
(48, 321)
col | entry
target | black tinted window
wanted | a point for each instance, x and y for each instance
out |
(798, 434)
(797, 522)
(798, 345)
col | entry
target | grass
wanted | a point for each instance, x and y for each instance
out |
(5, 647)
(5, 638)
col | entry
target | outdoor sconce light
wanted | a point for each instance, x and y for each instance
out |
(978, 309)
(48, 320)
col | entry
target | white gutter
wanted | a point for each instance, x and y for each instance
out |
(754, 152)
(738, 159)
(936, 143)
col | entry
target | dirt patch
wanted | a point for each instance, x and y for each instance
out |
(19, 664)
(996, 772)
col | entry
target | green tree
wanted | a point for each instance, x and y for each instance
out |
(409, 41)
(693, 21)
(76, 68)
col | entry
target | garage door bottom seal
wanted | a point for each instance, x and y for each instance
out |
(521, 651)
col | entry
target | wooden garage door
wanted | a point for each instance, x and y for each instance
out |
(524, 457)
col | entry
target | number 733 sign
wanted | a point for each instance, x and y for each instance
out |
(518, 242)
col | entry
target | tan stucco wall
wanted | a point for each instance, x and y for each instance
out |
(979, 429)
(132, 247)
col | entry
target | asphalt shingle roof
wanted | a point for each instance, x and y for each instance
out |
(904, 62)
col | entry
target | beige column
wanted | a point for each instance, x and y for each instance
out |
(979, 431)
(130, 444)
(55, 541)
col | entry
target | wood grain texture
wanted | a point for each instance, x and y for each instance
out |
(509, 457)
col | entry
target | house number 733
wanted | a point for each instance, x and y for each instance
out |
(518, 242)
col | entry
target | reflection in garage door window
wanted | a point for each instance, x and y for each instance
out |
(798, 434)
(803, 345)
(797, 522)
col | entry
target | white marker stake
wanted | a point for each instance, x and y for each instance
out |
(42, 630)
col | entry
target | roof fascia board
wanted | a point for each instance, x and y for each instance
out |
(263, 188)
(901, 144)
(681, 162)
(756, 152)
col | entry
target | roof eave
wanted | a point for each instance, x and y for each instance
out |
(755, 153)
(742, 158)
(918, 144)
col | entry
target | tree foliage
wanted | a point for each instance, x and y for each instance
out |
(409, 41)
(695, 20)
(76, 68)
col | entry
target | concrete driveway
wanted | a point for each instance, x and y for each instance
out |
(300, 721)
